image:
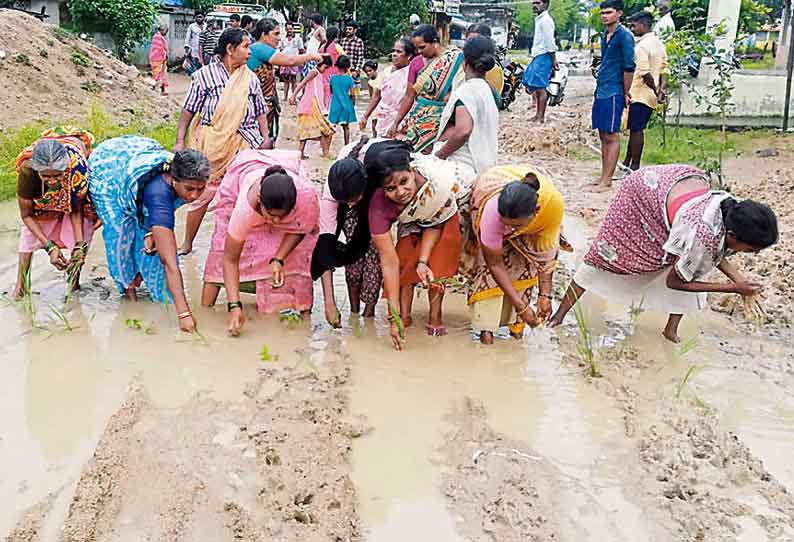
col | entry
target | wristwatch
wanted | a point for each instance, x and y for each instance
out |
(231, 305)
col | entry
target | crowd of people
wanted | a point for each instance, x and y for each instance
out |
(416, 199)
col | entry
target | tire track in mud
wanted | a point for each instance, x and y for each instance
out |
(273, 465)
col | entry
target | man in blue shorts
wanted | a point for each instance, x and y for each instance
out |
(615, 75)
(544, 60)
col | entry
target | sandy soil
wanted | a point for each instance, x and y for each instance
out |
(42, 83)
(273, 460)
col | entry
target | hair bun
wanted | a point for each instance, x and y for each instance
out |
(275, 169)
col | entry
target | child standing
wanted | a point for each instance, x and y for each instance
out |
(343, 98)
(312, 124)
(375, 81)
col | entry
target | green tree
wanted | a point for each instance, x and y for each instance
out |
(130, 22)
(566, 14)
(383, 22)
(204, 6)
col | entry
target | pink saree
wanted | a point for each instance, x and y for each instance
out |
(158, 59)
(262, 238)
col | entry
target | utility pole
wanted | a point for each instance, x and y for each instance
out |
(789, 70)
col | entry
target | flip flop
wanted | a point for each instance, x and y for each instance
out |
(436, 331)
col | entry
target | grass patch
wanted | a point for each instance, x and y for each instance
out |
(767, 63)
(98, 122)
(686, 145)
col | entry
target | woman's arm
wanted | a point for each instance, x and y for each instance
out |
(405, 106)
(282, 59)
(390, 266)
(496, 266)
(373, 103)
(76, 218)
(165, 241)
(430, 237)
(675, 282)
(26, 214)
(456, 136)
(331, 310)
(232, 248)
(730, 271)
(181, 131)
(312, 74)
(288, 244)
(264, 129)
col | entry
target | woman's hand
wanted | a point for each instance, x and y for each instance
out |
(544, 308)
(148, 244)
(362, 124)
(293, 99)
(396, 340)
(529, 317)
(57, 259)
(187, 324)
(236, 322)
(278, 274)
(425, 273)
(747, 288)
(267, 144)
(332, 315)
(179, 146)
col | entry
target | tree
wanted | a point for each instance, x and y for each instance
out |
(130, 22)
(203, 6)
(384, 22)
(566, 15)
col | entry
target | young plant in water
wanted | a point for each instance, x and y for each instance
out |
(683, 384)
(398, 321)
(265, 354)
(59, 317)
(291, 317)
(135, 324)
(585, 346)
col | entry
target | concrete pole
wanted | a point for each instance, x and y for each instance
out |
(726, 11)
(785, 35)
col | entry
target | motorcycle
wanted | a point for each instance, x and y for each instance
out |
(557, 84)
(513, 75)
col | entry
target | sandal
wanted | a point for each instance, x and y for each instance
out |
(436, 331)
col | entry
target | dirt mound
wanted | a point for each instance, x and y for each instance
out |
(48, 75)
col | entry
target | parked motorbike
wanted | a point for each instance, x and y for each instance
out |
(557, 84)
(513, 75)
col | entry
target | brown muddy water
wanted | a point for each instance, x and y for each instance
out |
(541, 416)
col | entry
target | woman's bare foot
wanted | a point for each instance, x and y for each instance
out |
(407, 321)
(672, 336)
(131, 294)
(486, 337)
(369, 311)
(185, 249)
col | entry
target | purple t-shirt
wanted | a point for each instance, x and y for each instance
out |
(492, 229)
(417, 65)
(382, 213)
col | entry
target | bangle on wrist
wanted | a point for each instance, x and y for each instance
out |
(185, 314)
(523, 310)
(49, 246)
(231, 305)
(276, 260)
(421, 262)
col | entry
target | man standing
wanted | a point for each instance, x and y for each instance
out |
(648, 86)
(615, 75)
(208, 41)
(354, 49)
(192, 62)
(247, 24)
(314, 39)
(292, 45)
(544, 60)
(235, 21)
(665, 26)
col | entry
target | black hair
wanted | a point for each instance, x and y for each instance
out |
(751, 222)
(370, 65)
(408, 47)
(617, 5)
(230, 36)
(326, 61)
(480, 53)
(347, 179)
(316, 18)
(352, 24)
(263, 26)
(246, 20)
(331, 34)
(277, 190)
(235, 17)
(343, 62)
(427, 32)
(642, 17)
(479, 28)
(519, 199)
(388, 161)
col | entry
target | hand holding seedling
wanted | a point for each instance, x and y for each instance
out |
(425, 273)
(332, 316)
(278, 274)
(57, 259)
(544, 308)
(187, 324)
(747, 288)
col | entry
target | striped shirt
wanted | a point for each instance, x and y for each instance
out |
(205, 92)
(208, 41)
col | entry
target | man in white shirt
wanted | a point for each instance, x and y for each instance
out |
(665, 26)
(195, 29)
(544, 61)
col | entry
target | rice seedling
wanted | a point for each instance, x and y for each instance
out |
(636, 310)
(394, 314)
(291, 317)
(199, 336)
(682, 384)
(687, 346)
(585, 345)
(27, 295)
(59, 317)
(265, 354)
(135, 324)
(451, 282)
